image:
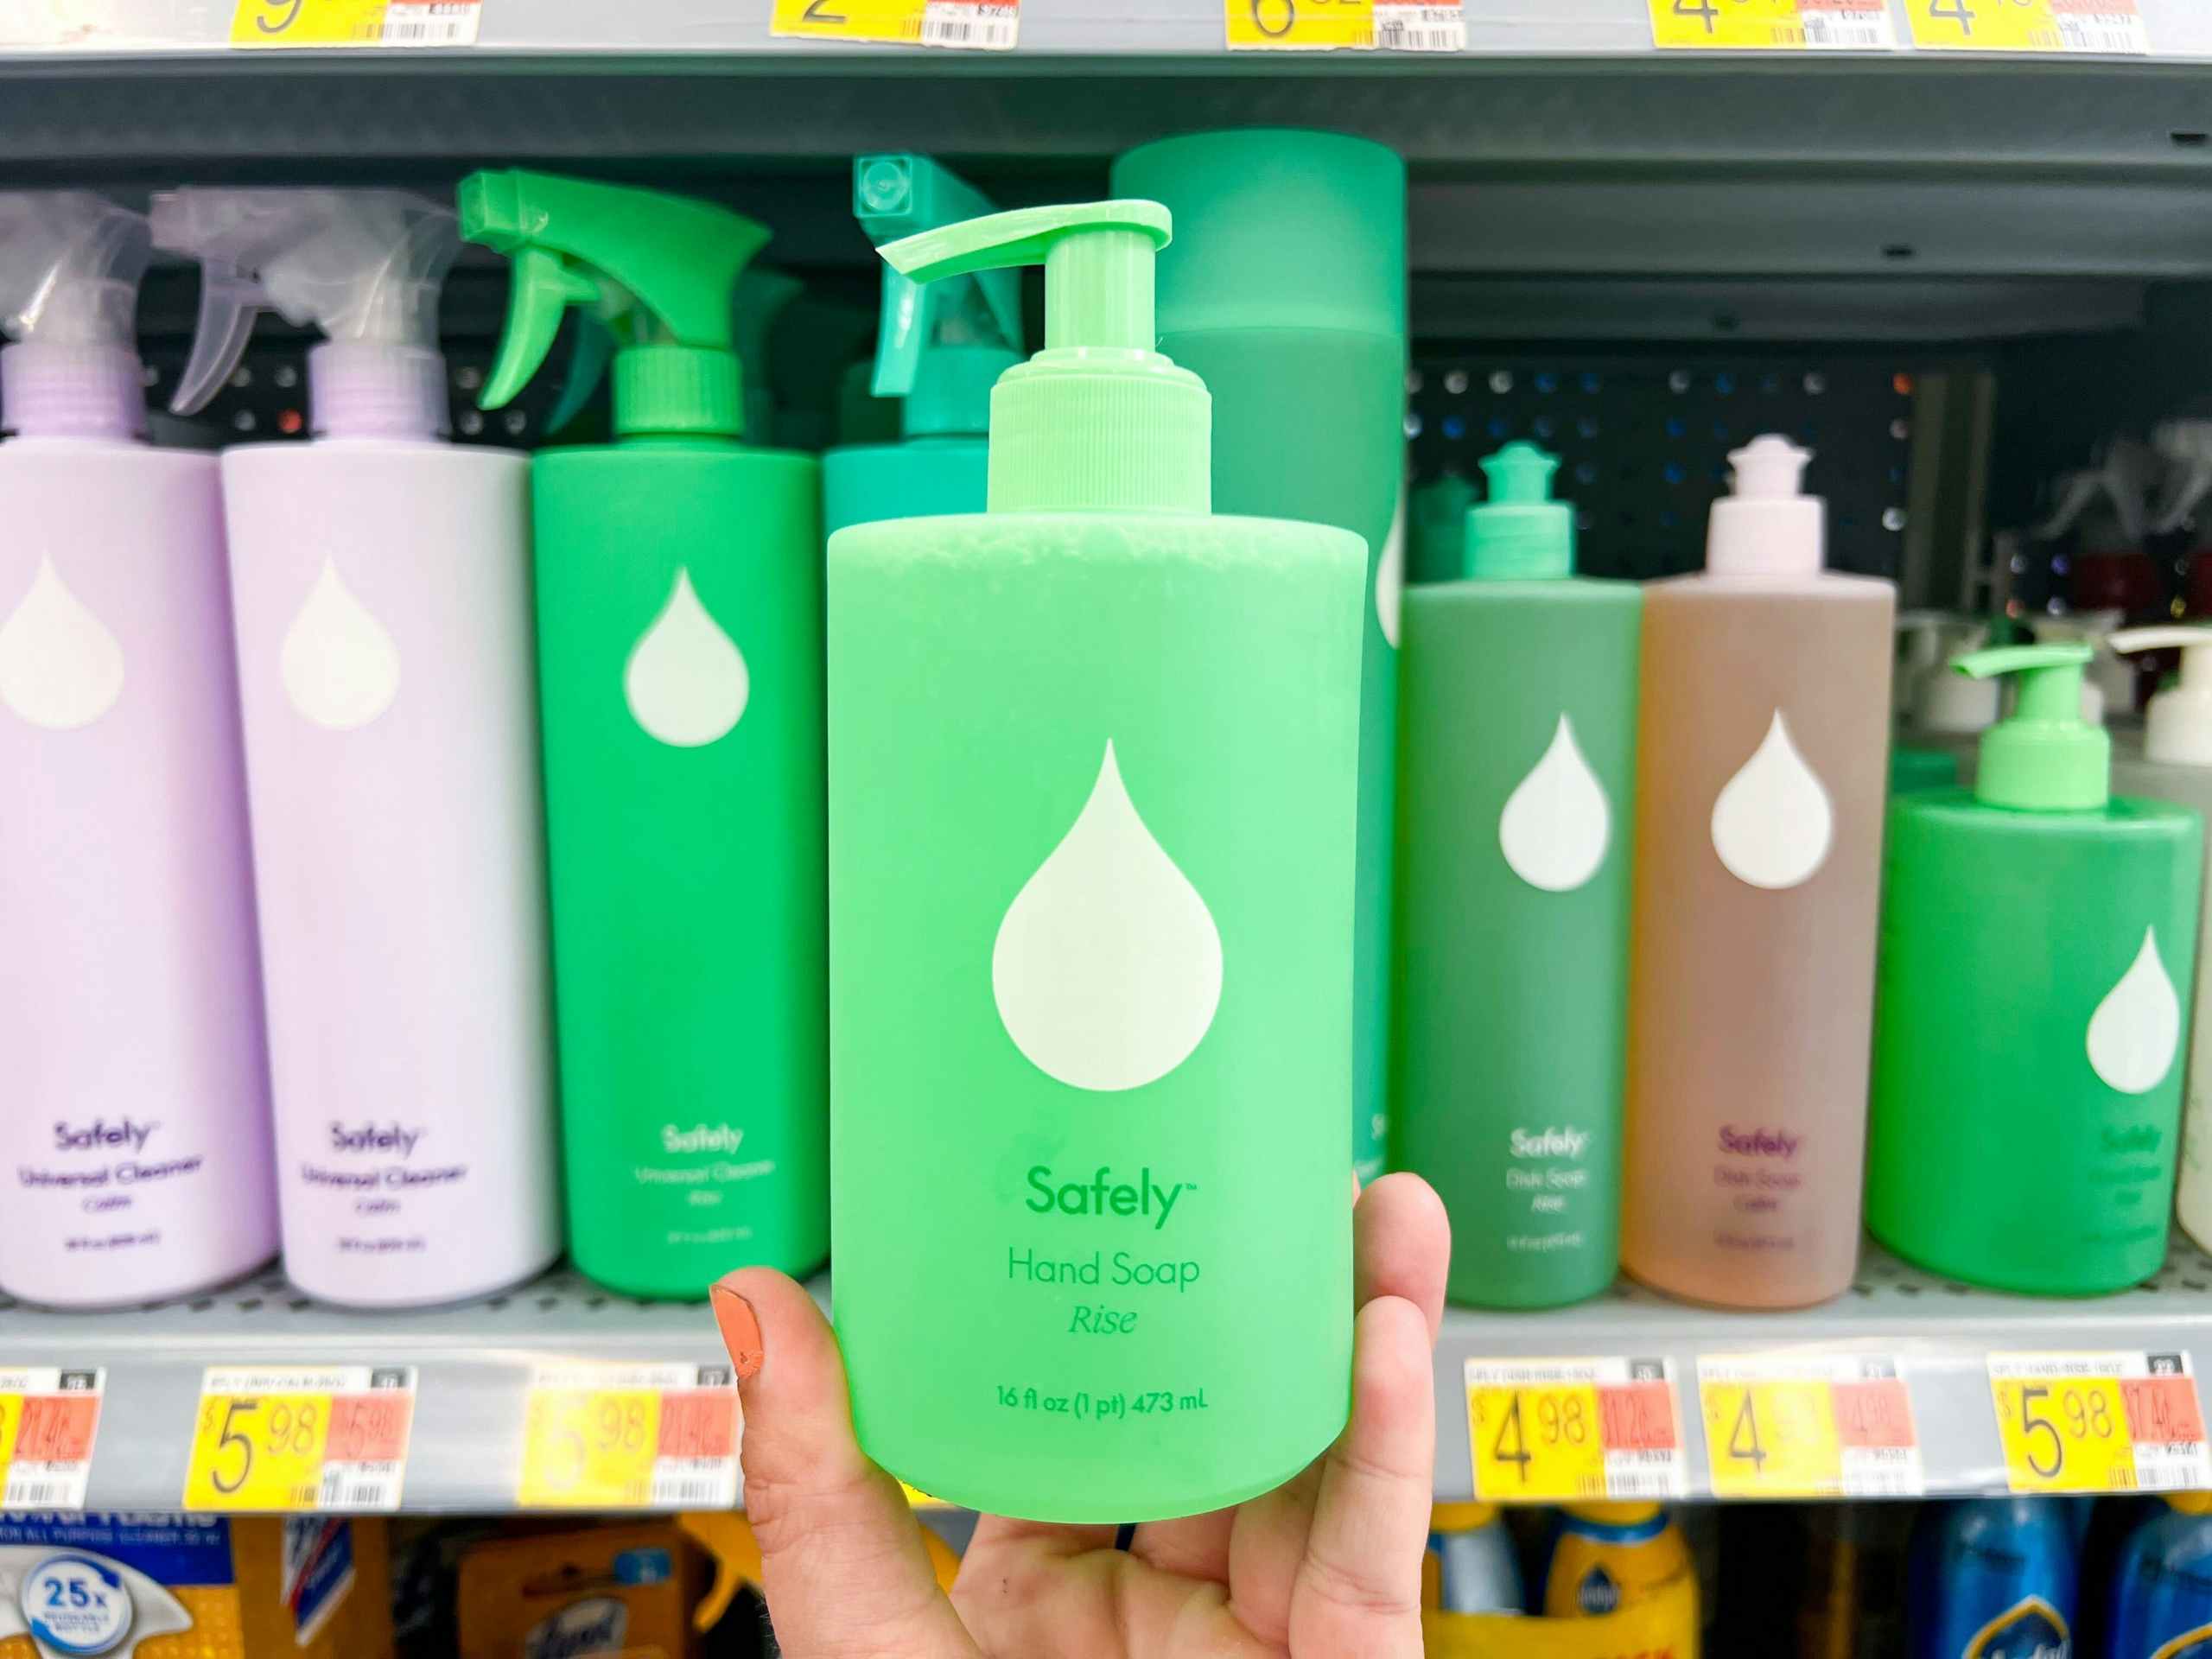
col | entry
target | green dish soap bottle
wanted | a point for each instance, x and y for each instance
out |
(679, 627)
(938, 348)
(1093, 763)
(1285, 293)
(2038, 937)
(1516, 769)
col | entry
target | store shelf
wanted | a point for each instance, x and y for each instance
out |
(474, 1363)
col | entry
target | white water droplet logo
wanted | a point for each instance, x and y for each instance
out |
(686, 683)
(2136, 1031)
(1772, 823)
(1108, 965)
(338, 664)
(60, 667)
(1390, 573)
(1556, 825)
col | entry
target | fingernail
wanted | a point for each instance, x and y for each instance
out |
(740, 1329)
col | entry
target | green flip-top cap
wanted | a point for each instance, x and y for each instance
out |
(1098, 421)
(2043, 756)
(1520, 533)
(1280, 229)
(658, 270)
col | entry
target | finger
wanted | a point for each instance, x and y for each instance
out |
(1358, 1585)
(1265, 1549)
(1402, 1246)
(843, 1563)
(1194, 1546)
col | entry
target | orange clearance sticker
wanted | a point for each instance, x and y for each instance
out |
(49, 1418)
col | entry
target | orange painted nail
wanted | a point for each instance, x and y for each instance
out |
(740, 1329)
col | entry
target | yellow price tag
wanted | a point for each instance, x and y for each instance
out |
(2087, 26)
(1772, 25)
(1773, 1439)
(47, 1421)
(893, 21)
(1539, 1443)
(1300, 25)
(258, 1452)
(326, 1437)
(322, 24)
(625, 1437)
(2099, 1422)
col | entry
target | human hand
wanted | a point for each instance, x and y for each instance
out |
(1327, 1566)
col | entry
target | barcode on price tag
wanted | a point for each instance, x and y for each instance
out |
(1790, 1425)
(1773, 25)
(2099, 27)
(625, 1437)
(1550, 1431)
(2099, 1423)
(1414, 26)
(49, 1418)
(272, 1438)
(971, 24)
(321, 24)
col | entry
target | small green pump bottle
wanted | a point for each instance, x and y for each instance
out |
(679, 626)
(1093, 780)
(1516, 765)
(2037, 938)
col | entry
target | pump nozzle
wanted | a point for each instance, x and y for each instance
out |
(364, 266)
(2177, 727)
(1521, 533)
(659, 272)
(2042, 757)
(940, 346)
(70, 263)
(1098, 419)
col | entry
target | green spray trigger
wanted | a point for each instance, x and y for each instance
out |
(657, 271)
(2043, 756)
(940, 345)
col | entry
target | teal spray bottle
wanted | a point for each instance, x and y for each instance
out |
(939, 347)
(1516, 767)
(680, 674)
(2027, 1071)
(1090, 953)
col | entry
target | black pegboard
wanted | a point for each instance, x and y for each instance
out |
(1644, 441)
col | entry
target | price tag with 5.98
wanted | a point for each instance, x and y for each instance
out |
(2099, 1422)
(624, 1437)
(330, 1438)
(1791, 1425)
(1548, 1431)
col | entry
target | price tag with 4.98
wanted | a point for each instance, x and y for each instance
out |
(1772, 25)
(1551, 1431)
(2113, 27)
(1807, 1425)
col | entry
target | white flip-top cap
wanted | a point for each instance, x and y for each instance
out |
(1768, 527)
(2178, 729)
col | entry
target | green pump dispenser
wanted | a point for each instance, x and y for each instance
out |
(1516, 771)
(2038, 935)
(939, 348)
(680, 680)
(1093, 764)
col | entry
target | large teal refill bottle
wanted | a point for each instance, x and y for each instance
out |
(1285, 291)
(939, 347)
(679, 629)
(1517, 767)
(1094, 756)
(2037, 939)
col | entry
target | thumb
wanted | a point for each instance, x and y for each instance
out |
(845, 1569)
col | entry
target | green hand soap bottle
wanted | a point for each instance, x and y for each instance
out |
(938, 348)
(1516, 765)
(679, 626)
(2038, 937)
(1093, 767)
(1286, 292)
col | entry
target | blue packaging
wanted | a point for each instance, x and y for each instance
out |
(1992, 1578)
(2159, 1605)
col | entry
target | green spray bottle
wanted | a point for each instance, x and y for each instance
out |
(679, 626)
(2038, 935)
(1517, 767)
(939, 347)
(1093, 768)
